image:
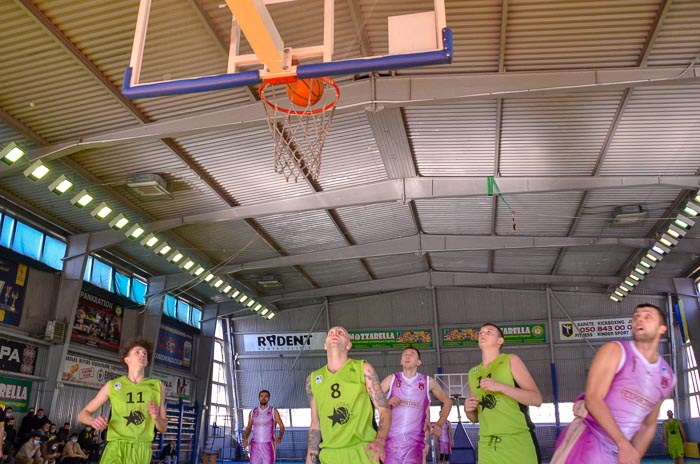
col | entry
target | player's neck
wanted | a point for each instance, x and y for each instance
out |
(410, 372)
(650, 350)
(263, 407)
(136, 376)
(488, 355)
(336, 360)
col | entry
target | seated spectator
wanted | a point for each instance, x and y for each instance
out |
(49, 451)
(64, 433)
(30, 452)
(25, 428)
(44, 431)
(39, 420)
(8, 454)
(72, 453)
(168, 454)
(11, 432)
(86, 439)
(53, 432)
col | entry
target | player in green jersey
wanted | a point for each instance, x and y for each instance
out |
(673, 438)
(343, 395)
(138, 405)
(501, 389)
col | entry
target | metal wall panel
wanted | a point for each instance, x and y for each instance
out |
(411, 308)
(453, 139)
(381, 221)
(592, 261)
(460, 261)
(533, 261)
(71, 400)
(337, 272)
(391, 266)
(39, 301)
(468, 216)
(677, 41)
(538, 214)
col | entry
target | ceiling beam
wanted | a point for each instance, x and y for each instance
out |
(391, 92)
(466, 279)
(422, 243)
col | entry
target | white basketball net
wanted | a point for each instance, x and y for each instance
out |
(299, 134)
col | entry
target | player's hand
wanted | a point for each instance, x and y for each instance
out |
(99, 423)
(437, 430)
(153, 409)
(471, 404)
(394, 401)
(376, 449)
(491, 385)
(278, 440)
(627, 454)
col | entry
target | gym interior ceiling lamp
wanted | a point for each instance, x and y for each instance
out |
(101, 211)
(36, 171)
(135, 231)
(60, 185)
(11, 153)
(82, 199)
(118, 222)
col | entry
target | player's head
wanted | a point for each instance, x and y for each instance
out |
(490, 334)
(264, 397)
(669, 413)
(142, 342)
(338, 337)
(410, 358)
(648, 323)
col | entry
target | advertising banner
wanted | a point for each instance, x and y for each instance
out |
(13, 282)
(512, 334)
(174, 347)
(90, 372)
(17, 357)
(15, 393)
(284, 341)
(373, 339)
(98, 322)
(595, 329)
(175, 386)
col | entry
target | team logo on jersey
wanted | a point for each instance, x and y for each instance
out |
(118, 386)
(665, 381)
(341, 415)
(474, 371)
(256, 413)
(135, 417)
(488, 401)
(319, 378)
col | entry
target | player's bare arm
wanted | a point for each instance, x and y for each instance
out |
(158, 411)
(642, 439)
(280, 424)
(314, 441)
(86, 415)
(376, 394)
(248, 429)
(471, 405)
(446, 401)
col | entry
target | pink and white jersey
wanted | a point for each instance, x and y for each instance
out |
(444, 443)
(408, 418)
(636, 389)
(263, 425)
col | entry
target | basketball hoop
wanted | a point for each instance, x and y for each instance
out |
(298, 131)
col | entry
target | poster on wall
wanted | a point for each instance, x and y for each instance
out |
(595, 329)
(90, 372)
(513, 334)
(98, 322)
(175, 386)
(174, 347)
(284, 341)
(15, 393)
(373, 339)
(17, 357)
(13, 283)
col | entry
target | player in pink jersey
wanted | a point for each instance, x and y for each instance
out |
(262, 421)
(627, 382)
(445, 442)
(409, 398)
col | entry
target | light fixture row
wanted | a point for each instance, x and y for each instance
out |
(674, 232)
(37, 171)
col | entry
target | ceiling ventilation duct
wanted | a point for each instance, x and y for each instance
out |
(148, 185)
(630, 214)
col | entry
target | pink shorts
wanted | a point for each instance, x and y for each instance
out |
(402, 451)
(262, 453)
(579, 445)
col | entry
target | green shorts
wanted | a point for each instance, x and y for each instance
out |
(507, 449)
(127, 452)
(675, 448)
(355, 454)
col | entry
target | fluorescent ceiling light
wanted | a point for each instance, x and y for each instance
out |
(264, 311)
(118, 222)
(60, 185)
(162, 249)
(101, 211)
(186, 264)
(217, 283)
(647, 263)
(175, 257)
(234, 294)
(615, 298)
(257, 307)
(198, 271)
(675, 231)
(36, 171)
(11, 153)
(684, 222)
(653, 256)
(668, 240)
(82, 199)
(250, 303)
(135, 231)
(209, 277)
(661, 249)
(226, 289)
(270, 316)
(691, 209)
(631, 282)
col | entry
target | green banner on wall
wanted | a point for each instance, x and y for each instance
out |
(519, 333)
(372, 339)
(15, 393)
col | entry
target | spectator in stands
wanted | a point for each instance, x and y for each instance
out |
(8, 453)
(39, 420)
(49, 451)
(44, 430)
(30, 452)
(86, 439)
(25, 427)
(72, 452)
(9, 412)
(11, 432)
(64, 433)
(168, 454)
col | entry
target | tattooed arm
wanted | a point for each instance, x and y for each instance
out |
(374, 388)
(314, 429)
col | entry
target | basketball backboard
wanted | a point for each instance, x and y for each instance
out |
(429, 43)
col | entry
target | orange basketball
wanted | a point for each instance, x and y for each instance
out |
(305, 92)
